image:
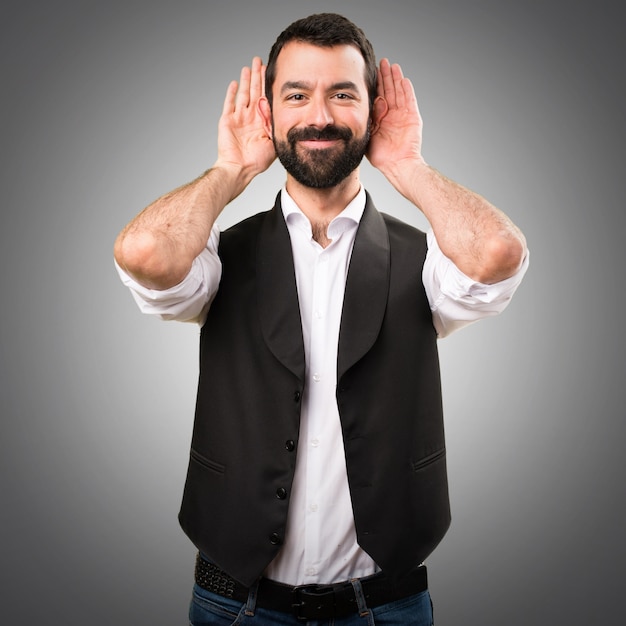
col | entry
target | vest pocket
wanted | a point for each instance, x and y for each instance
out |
(207, 463)
(428, 460)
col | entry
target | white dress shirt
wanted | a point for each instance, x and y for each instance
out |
(320, 542)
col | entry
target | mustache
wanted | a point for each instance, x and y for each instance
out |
(327, 133)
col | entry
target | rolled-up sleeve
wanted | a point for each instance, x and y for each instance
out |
(189, 301)
(455, 299)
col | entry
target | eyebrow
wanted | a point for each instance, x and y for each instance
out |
(301, 84)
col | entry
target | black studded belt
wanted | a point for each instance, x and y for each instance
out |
(309, 602)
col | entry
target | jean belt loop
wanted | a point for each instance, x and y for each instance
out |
(360, 597)
(252, 596)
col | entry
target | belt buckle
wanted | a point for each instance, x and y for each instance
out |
(312, 609)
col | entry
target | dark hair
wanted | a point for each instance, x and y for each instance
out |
(325, 30)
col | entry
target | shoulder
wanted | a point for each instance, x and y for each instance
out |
(249, 228)
(244, 228)
(403, 235)
(242, 235)
(397, 226)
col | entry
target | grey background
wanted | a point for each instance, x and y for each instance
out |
(107, 105)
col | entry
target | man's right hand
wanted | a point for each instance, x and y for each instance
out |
(158, 246)
(244, 147)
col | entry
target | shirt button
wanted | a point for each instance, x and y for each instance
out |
(311, 571)
(281, 493)
(317, 377)
(315, 443)
(290, 445)
(313, 508)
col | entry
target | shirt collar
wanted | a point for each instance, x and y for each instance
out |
(350, 216)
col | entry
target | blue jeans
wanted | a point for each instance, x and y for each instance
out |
(209, 609)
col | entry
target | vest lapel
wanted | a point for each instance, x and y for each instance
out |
(278, 295)
(367, 288)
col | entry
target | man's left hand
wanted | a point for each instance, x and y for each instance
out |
(397, 125)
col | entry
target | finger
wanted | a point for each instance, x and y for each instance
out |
(243, 95)
(409, 95)
(386, 80)
(397, 78)
(229, 100)
(263, 69)
(256, 81)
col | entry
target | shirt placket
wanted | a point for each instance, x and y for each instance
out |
(317, 373)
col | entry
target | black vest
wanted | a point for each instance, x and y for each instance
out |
(245, 434)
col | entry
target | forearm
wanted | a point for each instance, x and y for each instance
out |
(479, 238)
(158, 246)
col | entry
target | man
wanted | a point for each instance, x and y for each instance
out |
(317, 482)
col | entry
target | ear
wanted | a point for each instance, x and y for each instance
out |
(379, 110)
(265, 111)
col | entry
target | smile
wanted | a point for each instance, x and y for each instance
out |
(318, 144)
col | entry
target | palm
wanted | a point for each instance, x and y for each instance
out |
(399, 133)
(244, 142)
(242, 139)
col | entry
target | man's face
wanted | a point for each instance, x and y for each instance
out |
(320, 112)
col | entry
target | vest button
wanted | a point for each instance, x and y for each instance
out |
(296, 396)
(275, 539)
(290, 445)
(281, 493)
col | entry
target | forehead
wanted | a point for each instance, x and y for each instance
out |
(299, 61)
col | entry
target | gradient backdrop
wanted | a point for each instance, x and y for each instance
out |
(106, 105)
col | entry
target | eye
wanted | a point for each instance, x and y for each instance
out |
(297, 97)
(343, 96)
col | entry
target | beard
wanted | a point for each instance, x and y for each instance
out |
(325, 167)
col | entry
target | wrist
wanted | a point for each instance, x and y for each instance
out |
(407, 175)
(233, 178)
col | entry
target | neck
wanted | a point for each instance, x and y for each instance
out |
(321, 206)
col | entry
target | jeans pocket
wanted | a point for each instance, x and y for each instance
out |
(415, 611)
(210, 609)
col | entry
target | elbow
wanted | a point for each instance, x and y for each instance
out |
(140, 257)
(502, 258)
(135, 254)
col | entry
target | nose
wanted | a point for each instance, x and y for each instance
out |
(319, 113)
